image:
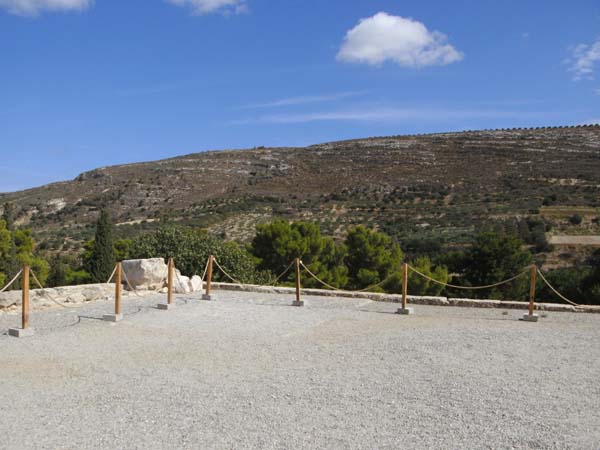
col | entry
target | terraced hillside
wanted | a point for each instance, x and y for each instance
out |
(444, 185)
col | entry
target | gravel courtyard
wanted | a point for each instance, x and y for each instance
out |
(250, 371)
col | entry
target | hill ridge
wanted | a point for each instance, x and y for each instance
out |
(445, 185)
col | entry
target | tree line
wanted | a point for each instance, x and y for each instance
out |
(363, 258)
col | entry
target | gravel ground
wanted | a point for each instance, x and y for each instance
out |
(250, 371)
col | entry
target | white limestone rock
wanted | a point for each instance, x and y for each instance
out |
(196, 283)
(181, 283)
(146, 273)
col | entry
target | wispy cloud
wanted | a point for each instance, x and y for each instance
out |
(150, 90)
(390, 115)
(35, 7)
(202, 7)
(583, 60)
(304, 100)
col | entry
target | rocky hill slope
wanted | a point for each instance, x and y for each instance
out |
(445, 185)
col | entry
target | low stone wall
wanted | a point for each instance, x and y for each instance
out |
(412, 299)
(69, 295)
(91, 292)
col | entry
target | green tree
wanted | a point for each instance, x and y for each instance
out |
(122, 249)
(58, 272)
(102, 259)
(417, 285)
(10, 263)
(5, 246)
(372, 257)
(493, 258)
(277, 244)
(591, 283)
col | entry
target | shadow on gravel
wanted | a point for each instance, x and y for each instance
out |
(90, 318)
(502, 319)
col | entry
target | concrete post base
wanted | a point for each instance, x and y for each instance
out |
(20, 332)
(113, 317)
(207, 297)
(300, 303)
(165, 306)
(405, 311)
(528, 318)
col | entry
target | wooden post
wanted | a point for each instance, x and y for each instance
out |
(24, 331)
(170, 281)
(532, 289)
(404, 284)
(298, 301)
(117, 316)
(531, 317)
(118, 286)
(25, 298)
(209, 272)
(404, 310)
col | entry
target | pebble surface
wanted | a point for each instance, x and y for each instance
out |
(249, 371)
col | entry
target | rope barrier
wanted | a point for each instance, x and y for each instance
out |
(555, 291)
(205, 270)
(129, 284)
(226, 274)
(11, 281)
(47, 295)
(282, 274)
(472, 288)
(345, 290)
(112, 275)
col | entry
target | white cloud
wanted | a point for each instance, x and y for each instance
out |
(584, 60)
(35, 7)
(201, 7)
(391, 115)
(308, 99)
(404, 41)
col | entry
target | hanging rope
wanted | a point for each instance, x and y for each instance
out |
(345, 290)
(134, 290)
(205, 270)
(555, 291)
(48, 296)
(273, 283)
(112, 275)
(11, 282)
(226, 274)
(472, 288)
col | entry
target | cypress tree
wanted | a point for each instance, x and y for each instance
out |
(102, 261)
(10, 266)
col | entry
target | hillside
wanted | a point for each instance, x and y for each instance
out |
(445, 185)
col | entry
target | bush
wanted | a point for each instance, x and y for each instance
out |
(191, 248)
(576, 219)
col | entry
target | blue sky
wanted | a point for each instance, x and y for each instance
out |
(85, 84)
